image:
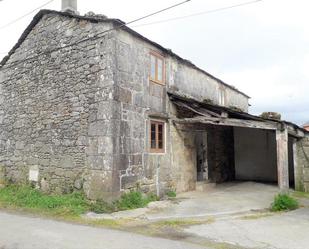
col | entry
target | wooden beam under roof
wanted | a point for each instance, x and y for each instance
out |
(228, 122)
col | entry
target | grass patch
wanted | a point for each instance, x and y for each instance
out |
(119, 223)
(284, 202)
(67, 205)
(134, 199)
(179, 223)
(298, 194)
(29, 198)
(101, 207)
(256, 216)
(171, 194)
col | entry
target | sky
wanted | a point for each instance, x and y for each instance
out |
(260, 48)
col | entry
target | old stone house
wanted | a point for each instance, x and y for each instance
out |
(88, 103)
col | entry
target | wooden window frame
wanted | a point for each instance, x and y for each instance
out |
(157, 149)
(160, 57)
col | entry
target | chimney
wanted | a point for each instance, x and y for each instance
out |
(69, 6)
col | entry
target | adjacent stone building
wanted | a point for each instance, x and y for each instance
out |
(87, 103)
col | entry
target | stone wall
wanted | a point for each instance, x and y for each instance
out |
(138, 101)
(79, 117)
(141, 100)
(183, 164)
(186, 80)
(301, 164)
(57, 111)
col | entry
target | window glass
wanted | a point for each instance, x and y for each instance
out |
(160, 70)
(157, 137)
(160, 136)
(153, 136)
(153, 67)
(156, 68)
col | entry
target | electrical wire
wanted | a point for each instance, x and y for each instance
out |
(199, 13)
(99, 35)
(95, 37)
(157, 12)
(23, 16)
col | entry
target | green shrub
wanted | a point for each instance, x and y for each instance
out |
(134, 199)
(171, 194)
(284, 202)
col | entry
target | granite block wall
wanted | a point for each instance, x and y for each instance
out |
(78, 117)
(57, 110)
(301, 164)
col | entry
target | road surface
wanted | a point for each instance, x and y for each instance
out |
(21, 232)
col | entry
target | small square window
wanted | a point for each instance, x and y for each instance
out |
(157, 137)
(157, 70)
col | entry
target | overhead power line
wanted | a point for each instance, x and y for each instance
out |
(157, 12)
(101, 34)
(27, 14)
(199, 13)
(95, 37)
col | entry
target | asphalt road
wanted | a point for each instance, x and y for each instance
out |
(288, 230)
(21, 232)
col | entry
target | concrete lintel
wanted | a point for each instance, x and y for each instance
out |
(282, 159)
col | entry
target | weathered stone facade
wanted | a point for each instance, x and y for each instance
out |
(78, 117)
(301, 164)
(57, 109)
(221, 154)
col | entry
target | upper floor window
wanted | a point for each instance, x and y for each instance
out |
(157, 68)
(221, 96)
(157, 137)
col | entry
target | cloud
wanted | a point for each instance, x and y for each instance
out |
(281, 88)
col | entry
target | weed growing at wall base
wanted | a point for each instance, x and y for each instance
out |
(284, 202)
(134, 199)
(28, 198)
(171, 194)
(72, 205)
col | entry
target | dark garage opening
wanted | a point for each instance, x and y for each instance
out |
(255, 155)
(241, 154)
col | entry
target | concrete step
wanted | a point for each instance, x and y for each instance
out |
(204, 186)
